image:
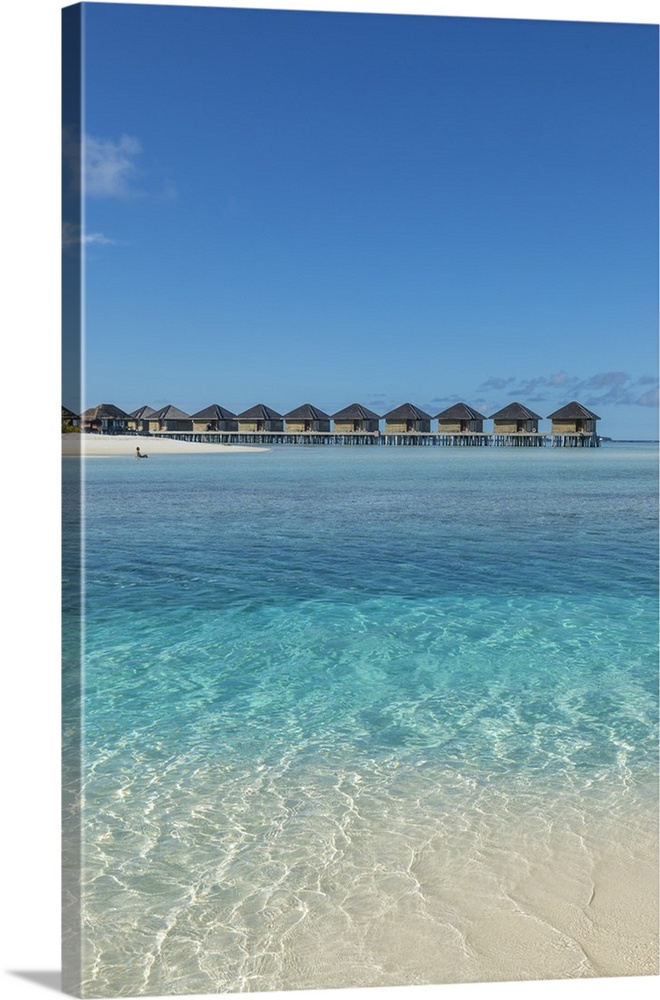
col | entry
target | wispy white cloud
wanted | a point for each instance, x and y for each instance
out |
(539, 390)
(73, 236)
(447, 400)
(604, 388)
(650, 398)
(604, 379)
(110, 168)
(70, 235)
(498, 383)
(616, 388)
(96, 238)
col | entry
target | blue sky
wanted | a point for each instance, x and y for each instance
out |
(286, 206)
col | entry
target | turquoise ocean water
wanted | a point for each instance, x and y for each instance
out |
(368, 716)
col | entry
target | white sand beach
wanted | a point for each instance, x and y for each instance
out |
(108, 445)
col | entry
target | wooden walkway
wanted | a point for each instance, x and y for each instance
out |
(415, 439)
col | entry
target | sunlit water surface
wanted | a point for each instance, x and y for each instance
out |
(369, 716)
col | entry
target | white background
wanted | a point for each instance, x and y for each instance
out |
(29, 378)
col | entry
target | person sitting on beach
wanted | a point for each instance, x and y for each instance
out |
(138, 454)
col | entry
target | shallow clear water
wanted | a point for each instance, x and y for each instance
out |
(349, 710)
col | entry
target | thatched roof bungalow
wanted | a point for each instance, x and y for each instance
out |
(214, 418)
(574, 418)
(355, 419)
(170, 418)
(260, 419)
(407, 419)
(69, 418)
(515, 419)
(138, 419)
(460, 419)
(106, 418)
(307, 418)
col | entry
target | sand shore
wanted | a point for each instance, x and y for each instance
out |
(107, 445)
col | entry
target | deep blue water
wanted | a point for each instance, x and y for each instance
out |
(262, 628)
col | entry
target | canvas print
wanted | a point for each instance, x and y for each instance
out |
(360, 466)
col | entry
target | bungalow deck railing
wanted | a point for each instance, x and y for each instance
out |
(520, 439)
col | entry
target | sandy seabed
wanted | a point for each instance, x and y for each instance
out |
(328, 889)
(108, 445)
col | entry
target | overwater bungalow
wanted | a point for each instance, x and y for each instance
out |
(307, 418)
(515, 419)
(138, 419)
(407, 419)
(69, 419)
(574, 418)
(214, 418)
(460, 419)
(170, 418)
(355, 419)
(259, 419)
(106, 418)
